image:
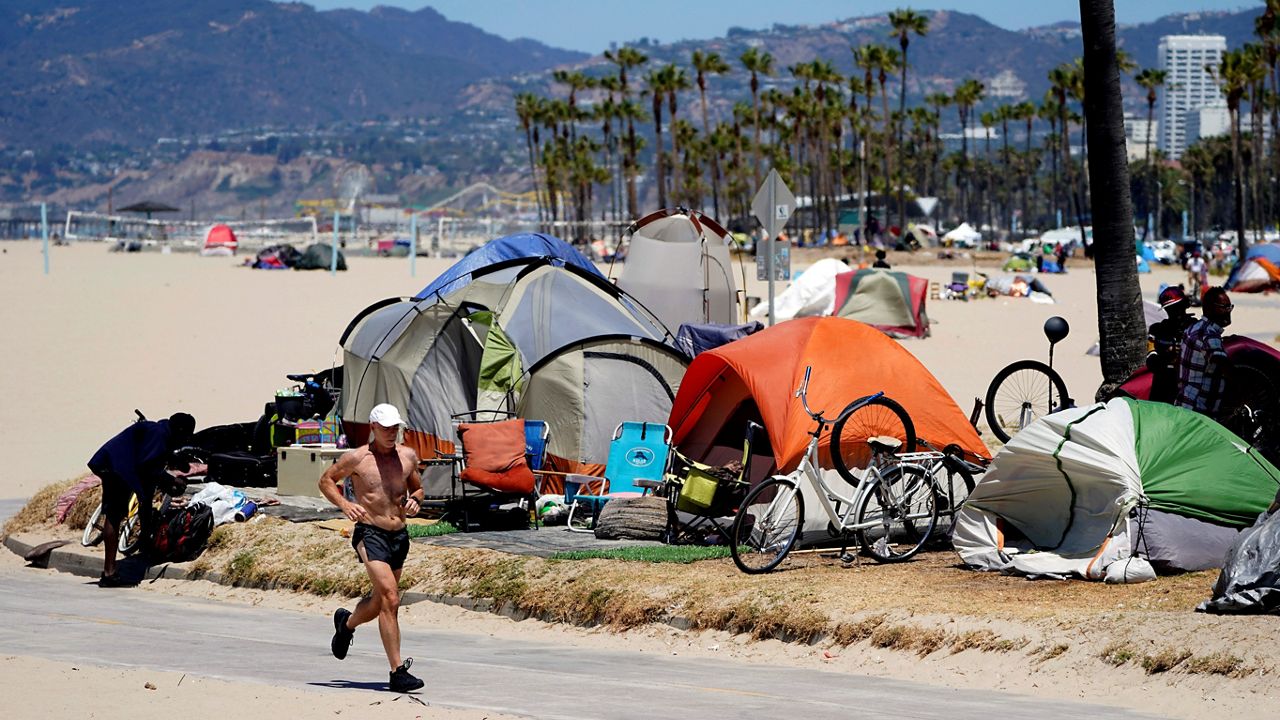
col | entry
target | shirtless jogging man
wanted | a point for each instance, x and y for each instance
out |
(384, 476)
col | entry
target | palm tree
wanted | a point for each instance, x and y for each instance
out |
(577, 81)
(1150, 79)
(1026, 111)
(757, 63)
(967, 94)
(889, 60)
(527, 109)
(905, 23)
(1121, 326)
(1233, 74)
(704, 64)
(656, 88)
(626, 58)
(676, 80)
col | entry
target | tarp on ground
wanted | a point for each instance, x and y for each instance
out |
(1056, 500)
(693, 340)
(813, 293)
(679, 266)
(473, 349)
(319, 256)
(510, 247)
(1259, 270)
(755, 378)
(890, 301)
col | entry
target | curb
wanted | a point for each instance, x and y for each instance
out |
(74, 559)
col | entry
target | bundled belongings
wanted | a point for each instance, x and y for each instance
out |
(319, 256)
(1250, 578)
(812, 293)
(1020, 286)
(182, 534)
(693, 339)
(1113, 490)
(276, 257)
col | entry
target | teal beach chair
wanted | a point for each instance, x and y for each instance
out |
(638, 458)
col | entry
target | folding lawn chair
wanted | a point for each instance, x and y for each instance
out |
(638, 459)
(492, 469)
(701, 497)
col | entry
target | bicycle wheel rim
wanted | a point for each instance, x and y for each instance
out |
(766, 527)
(93, 529)
(1020, 394)
(899, 515)
(882, 416)
(954, 485)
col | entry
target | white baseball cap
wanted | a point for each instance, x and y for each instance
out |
(385, 415)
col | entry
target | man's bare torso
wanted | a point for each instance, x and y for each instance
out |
(380, 484)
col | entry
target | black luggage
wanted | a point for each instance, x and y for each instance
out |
(242, 469)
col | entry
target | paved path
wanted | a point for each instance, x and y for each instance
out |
(67, 618)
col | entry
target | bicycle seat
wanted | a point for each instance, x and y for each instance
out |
(884, 444)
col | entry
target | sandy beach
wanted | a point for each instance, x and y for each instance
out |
(105, 333)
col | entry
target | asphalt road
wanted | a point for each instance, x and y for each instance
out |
(68, 618)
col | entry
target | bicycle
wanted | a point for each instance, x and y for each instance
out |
(953, 476)
(1027, 389)
(892, 501)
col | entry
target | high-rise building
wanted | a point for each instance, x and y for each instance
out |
(1188, 85)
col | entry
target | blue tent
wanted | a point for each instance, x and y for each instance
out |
(522, 245)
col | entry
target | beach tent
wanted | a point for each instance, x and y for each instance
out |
(755, 378)
(510, 247)
(812, 293)
(319, 256)
(962, 235)
(1259, 270)
(678, 265)
(220, 237)
(889, 301)
(472, 348)
(584, 390)
(1057, 499)
(921, 236)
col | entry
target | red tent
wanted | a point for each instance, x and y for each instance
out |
(755, 378)
(220, 236)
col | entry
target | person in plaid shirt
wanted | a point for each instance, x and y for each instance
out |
(1202, 367)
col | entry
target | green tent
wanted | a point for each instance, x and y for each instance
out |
(1057, 498)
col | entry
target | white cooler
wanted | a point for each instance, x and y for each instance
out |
(299, 467)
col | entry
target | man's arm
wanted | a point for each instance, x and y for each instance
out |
(332, 479)
(414, 485)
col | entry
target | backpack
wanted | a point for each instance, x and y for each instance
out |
(182, 534)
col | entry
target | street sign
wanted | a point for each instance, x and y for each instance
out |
(781, 260)
(774, 204)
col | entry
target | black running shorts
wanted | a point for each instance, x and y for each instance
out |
(388, 546)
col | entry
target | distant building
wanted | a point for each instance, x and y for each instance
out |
(1188, 86)
(1007, 84)
(1135, 135)
(1215, 121)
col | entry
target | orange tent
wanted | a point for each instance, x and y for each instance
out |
(755, 379)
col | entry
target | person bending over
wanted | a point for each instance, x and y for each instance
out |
(384, 477)
(135, 462)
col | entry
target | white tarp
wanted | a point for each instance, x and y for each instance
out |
(813, 293)
(1070, 512)
(963, 233)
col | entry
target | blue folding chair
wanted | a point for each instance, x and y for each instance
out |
(638, 459)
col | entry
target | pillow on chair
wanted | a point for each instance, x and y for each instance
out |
(493, 455)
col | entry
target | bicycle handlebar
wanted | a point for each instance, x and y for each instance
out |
(803, 394)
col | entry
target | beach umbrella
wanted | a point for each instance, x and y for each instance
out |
(148, 207)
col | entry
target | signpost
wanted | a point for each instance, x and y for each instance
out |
(333, 258)
(413, 244)
(773, 206)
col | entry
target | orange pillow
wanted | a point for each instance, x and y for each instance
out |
(494, 456)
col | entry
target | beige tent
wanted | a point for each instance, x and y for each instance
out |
(678, 264)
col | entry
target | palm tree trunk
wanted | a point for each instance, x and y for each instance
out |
(1237, 179)
(1121, 326)
(713, 156)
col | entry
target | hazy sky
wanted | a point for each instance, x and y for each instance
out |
(590, 25)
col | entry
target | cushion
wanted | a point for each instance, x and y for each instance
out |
(493, 456)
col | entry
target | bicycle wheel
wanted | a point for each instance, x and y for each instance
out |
(767, 526)
(130, 535)
(93, 529)
(881, 416)
(896, 517)
(953, 484)
(1022, 392)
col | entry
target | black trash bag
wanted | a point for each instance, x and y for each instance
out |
(1250, 579)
